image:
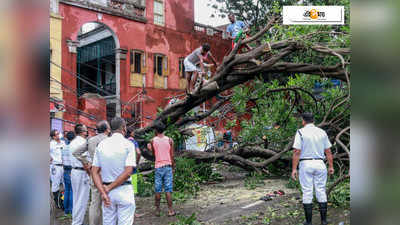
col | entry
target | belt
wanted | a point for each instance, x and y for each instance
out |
(312, 159)
(78, 168)
(125, 183)
(164, 166)
(67, 167)
(58, 164)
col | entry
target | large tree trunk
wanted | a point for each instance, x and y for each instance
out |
(237, 69)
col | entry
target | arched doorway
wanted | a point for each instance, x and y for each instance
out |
(98, 64)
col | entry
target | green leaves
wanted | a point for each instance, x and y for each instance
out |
(340, 196)
(281, 107)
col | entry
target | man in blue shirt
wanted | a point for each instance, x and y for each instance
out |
(66, 160)
(236, 27)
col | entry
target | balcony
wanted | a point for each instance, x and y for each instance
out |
(210, 31)
(136, 7)
(130, 9)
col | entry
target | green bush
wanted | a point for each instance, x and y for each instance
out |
(145, 186)
(340, 196)
(187, 179)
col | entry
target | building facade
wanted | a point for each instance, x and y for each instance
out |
(125, 57)
(56, 89)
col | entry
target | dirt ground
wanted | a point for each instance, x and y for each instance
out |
(231, 203)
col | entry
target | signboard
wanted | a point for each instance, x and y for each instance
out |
(56, 124)
(203, 139)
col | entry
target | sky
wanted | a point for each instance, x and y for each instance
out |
(202, 14)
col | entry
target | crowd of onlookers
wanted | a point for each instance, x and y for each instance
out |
(105, 167)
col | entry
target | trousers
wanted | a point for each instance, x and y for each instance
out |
(67, 192)
(80, 190)
(313, 173)
(95, 217)
(122, 208)
(56, 177)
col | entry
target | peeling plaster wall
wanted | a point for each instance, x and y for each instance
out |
(175, 40)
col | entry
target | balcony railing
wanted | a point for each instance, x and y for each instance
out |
(130, 9)
(210, 31)
(135, 7)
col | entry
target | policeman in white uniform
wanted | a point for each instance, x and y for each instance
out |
(56, 166)
(79, 178)
(112, 167)
(311, 144)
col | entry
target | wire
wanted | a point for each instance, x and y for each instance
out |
(80, 112)
(88, 65)
(98, 69)
(78, 76)
(68, 88)
(71, 122)
(102, 58)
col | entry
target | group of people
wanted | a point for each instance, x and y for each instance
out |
(195, 64)
(311, 143)
(103, 166)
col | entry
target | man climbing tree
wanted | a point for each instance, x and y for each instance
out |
(237, 30)
(290, 56)
(191, 63)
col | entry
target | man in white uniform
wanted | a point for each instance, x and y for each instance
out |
(79, 177)
(112, 167)
(56, 166)
(311, 144)
(103, 130)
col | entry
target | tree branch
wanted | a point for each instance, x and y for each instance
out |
(273, 20)
(340, 142)
(200, 116)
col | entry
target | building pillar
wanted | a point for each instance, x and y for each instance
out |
(120, 55)
(69, 72)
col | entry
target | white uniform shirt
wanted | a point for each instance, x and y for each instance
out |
(78, 140)
(112, 155)
(312, 142)
(66, 156)
(55, 151)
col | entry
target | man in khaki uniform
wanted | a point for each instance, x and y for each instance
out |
(103, 130)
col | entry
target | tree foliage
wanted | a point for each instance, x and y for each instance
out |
(289, 70)
(256, 13)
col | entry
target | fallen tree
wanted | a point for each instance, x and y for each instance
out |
(281, 57)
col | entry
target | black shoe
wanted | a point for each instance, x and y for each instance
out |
(308, 213)
(323, 209)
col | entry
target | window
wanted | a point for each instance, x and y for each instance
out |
(181, 68)
(161, 71)
(159, 12)
(137, 61)
(158, 64)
